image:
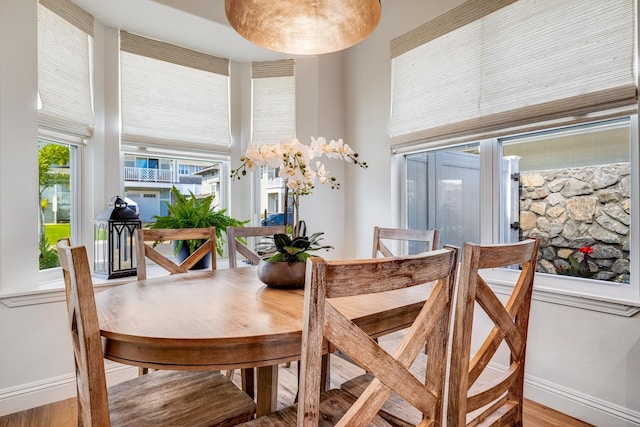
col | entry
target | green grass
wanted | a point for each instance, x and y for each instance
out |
(54, 232)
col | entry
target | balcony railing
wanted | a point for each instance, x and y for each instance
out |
(147, 175)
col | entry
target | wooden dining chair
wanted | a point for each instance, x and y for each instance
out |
(324, 323)
(145, 240)
(430, 238)
(499, 395)
(239, 247)
(158, 398)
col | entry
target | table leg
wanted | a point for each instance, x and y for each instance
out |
(325, 373)
(267, 395)
(248, 381)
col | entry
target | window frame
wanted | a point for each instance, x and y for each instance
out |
(604, 296)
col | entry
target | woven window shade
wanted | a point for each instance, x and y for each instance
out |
(64, 78)
(486, 66)
(173, 98)
(274, 101)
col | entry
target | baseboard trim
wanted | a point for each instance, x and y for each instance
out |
(38, 393)
(579, 405)
(576, 404)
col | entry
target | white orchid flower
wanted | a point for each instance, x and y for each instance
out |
(322, 173)
(295, 161)
(271, 156)
(253, 157)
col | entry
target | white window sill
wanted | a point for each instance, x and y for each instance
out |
(606, 297)
(618, 299)
(53, 290)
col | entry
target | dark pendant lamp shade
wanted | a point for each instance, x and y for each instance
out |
(304, 27)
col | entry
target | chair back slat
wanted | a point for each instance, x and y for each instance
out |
(500, 396)
(145, 240)
(93, 405)
(323, 320)
(237, 241)
(430, 238)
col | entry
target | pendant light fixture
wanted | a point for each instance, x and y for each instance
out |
(304, 27)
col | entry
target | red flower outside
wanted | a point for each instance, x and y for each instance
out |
(587, 250)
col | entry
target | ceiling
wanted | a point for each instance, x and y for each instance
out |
(195, 24)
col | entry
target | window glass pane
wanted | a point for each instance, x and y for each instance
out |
(149, 183)
(272, 198)
(574, 188)
(443, 192)
(55, 175)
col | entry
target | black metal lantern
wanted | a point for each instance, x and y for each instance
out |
(114, 233)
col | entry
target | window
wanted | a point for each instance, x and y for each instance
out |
(56, 179)
(65, 38)
(485, 67)
(273, 119)
(174, 99)
(149, 183)
(146, 163)
(525, 100)
(570, 187)
(65, 120)
(175, 107)
(443, 192)
(575, 195)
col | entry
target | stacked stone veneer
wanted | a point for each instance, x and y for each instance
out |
(571, 208)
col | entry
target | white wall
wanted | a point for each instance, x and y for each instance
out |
(582, 362)
(18, 142)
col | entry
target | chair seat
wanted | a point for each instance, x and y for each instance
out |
(333, 405)
(396, 410)
(179, 398)
(503, 413)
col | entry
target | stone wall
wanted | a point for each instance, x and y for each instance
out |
(568, 209)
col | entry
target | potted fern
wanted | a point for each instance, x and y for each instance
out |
(193, 212)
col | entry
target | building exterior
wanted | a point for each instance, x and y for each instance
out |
(148, 181)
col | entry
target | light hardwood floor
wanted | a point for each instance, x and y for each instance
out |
(63, 413)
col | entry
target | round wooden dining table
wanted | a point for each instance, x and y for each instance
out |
(227, 319)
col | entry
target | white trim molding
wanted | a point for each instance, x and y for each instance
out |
(579, 405)
(53, 294)
(50, 390)
(574, 403)
(577, 301)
